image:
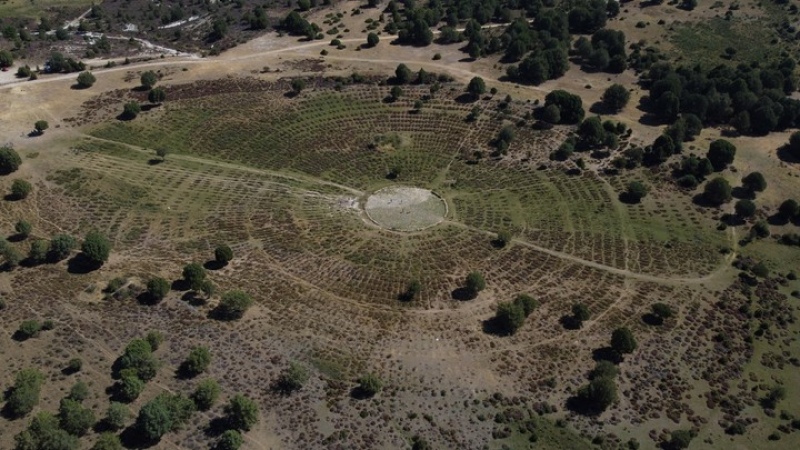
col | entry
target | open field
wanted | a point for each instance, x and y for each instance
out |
(287, 179)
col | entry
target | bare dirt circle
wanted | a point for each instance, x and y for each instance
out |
(405, 208)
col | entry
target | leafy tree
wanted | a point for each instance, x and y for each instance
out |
(721, 153)
(149, 79)
(293, 378)
(44, 433)
(622, 341)
(372, 39)
(10, 254)
(369, 385)
(117, 416)
(395, 93)
(509, 317)
(745, 208)
(503, 238)
(96, 247)
(754, 182)
(23, 229)
(131, 110)
(24, 393)
(591, 133)
(9, 160)
(551, 114)
(161, 152)
(61, 246)
(197, 362)
(527, 303)
(155, 339)
(158, 288)
(475, 283)
(599, 394)
(717, 191)
(157, 95)
(78, 392)
(29, 329)
(40, 126)
(108, 441)
(138, 357)
(20, 189)
(636, 191)
(662, 311)
(298, 84)
(603, 369)
(476, 87)
(130, 387)
(194, 274)
(615, 97)
(6, 59)
(570, 106)
(223, 254)
(74, 418)
(241, 413)
(403, 74)
(74, 365)
(86, 80)
(679, 439)
(789, 209)
(206, 394)
(233, 305)
(230, 440)
(163, 414)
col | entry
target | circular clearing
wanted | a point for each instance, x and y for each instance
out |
(405, 208)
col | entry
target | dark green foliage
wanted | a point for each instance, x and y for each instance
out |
(130, 387)
(44, 434)
(745, 208)
(20, 189)
(86, 80)
(679, 439)
(61, 246)
(503, 238)
(23, 229)
(760, 230)
(206, 394)
(230, 440)
(570, 106)
(9, 160)
(155, 339)
(636, 191)
(74, 365)
(369, 385)
(615, 97)
(476, 87)
(163, 414)
(372, 39)
(40, 126)
(509, 317)
(588, 17)
(138, 357)
(754, 182)
(241, 413)
(6, 59)
(293, 378)
(775, 395)
(10, 254)
(661, 311)
(28, 329)
(697, 168)
(296, 25)
(194, 274)
(475, 283)
(298, 84)
(551, 114)
(603, 369)
(622, 341)
(117, 416)
(395, 93)
(223, 254)
(158, 288)
(96, 247)
(149, 79)
(717, 191)
(79, 392)
(233, 305)
(107, 441)
(580, 313)
(58, 63)
(197, 362)
(403, 75)
(591, 133)
(24, 393)
(789, 209)
(157, 95)
(527, 303)
(74, 418)
(131, 110)
(599, 394)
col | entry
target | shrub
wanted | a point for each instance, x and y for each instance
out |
(86, 80)
(233, 305)
(79, 392)
(293, 378)
(527, 303)
(156, 95)
(9, 160)
(74, 418)
(754, 182)
(117, 416)
(615, 98)
(96, 248)
(28, 329)
(230, 440)
(599, 394)
(197, 362)
(194, 274)
(24, 393)
(74, 365)
(369, 385)
(149, 79)
(206, 394)
(40, 126)
(223, 254)
(622, 341)
(721, 153)
(131, 110)
(130, 387)
(61, 246)
(23, 229)
(475, 283)
(745, 208)
(241, 413)
(155, 339)
(509, 317)
(108, 441)
(20, 189)
(158, 288)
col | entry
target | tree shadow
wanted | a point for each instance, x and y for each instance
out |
(742, 193)
(216, 427)
(291, 94)
(19, 336)
(147, 299)
(700, 200)
(123, 117)
(154, 161)
(732, 220)
(16, 238)
(463, 294)
(140, 88)
(570, 322)
(194, 299)
(12, 198)
(183, 372)
(777, 219)
(80, 264)
(627, 198)
(132, 437)
(652, 319)
(35, 133)
(405, 296)
(606, 354)
(359, 393)
(213, 264)
(582, 406)
(600, 109)
(466, 98)
(148, 107)
(180, 285)
(78, 87)
(494, 326)
(785, 155)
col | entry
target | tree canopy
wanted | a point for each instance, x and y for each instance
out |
(9, 160)
(241, 413)
(96, 247)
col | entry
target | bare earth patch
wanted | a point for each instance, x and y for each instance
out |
(405, 208)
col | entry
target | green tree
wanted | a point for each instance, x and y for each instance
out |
(527, 303)
(96, 247)
(369, 385)
(241, 413)
(233, 305)
(293, 378)
(24, 393)
(603, 369)
(403, 74)
(197, 362)
(155, 418)
(372, 39)
(745, 208)
(721, 153)
(304, 5)
(622, 341)
(131, 110)
(138, 357)
(551, 114)
(476, 87)
(23, 229)
(157, 95)
(591, 133)
(40, 126)
(206, 394)
(230, 440)
(569, 105)
(6, 59)
(155, 339)
(412, 290)
(194, 274)
(44, 433)
(79, 392)
(11, 255)
(636, 191)
(395, 92)
(61, 246)
(615, 98)
(509, 317)
(158, 288)
(503, 238)
(789, 209)
(223, 254)
(599, 394)
(475, 283)
(117, 416)
(298, 84)
(107, 441)
(717, 191)
(74, 418)
(28, 329)
(580, 312)
(679, 439)
(20, 189)
(86, 80)
(149, 79)
(9, 160)
(130, 387)
(661, 311)
(754, 182)
(162, 152)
